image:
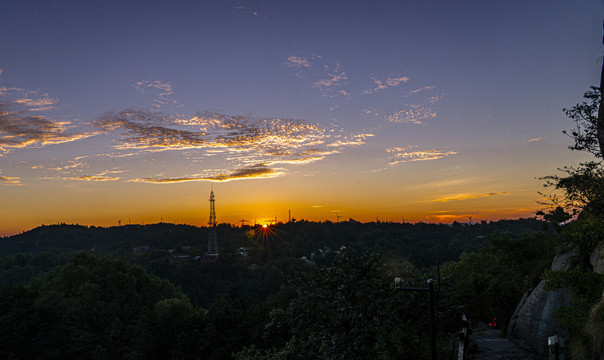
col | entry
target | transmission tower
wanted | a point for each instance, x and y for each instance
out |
(212, 238)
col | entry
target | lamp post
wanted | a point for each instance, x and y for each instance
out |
(430, 290)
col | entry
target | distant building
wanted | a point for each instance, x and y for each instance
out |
(254, 267)
(244, 251)
(142, 248)
(180, 259)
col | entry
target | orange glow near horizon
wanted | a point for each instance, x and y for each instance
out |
(198, 216)
(249, 202)
(299, 130)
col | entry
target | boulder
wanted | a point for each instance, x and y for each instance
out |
(596, 259)
(534, 319)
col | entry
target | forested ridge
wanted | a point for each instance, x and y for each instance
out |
(293, 290)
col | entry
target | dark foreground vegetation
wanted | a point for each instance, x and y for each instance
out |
(296, 290)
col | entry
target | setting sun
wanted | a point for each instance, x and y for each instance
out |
(371, 128)
(258, 179)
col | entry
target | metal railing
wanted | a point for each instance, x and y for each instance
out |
(555, 346)
(464, 339)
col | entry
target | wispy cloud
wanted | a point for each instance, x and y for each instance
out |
(448, 216)
(304, 65)
(330, 86)
(20, 100)
(39, 104)
(107, 175)
(249, 146)
(162, 89)
(327, 76)
(351, 140)
(254, 171)
(77, 170)
(415, 113)
(297, 62)
(418, 90)
(414, 107)
(18, 130)
(237, 147)
(64, 166)
(277, 137)
(148, 130)
(537, 139)
(334, 79)
(155, 180)
(249, 11)
(93, 178)
(384, 84)
(303, 61)
(410, 153)
(458, 197)
(10, 180)
(305, 159)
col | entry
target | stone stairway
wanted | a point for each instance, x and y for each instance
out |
(488, 344)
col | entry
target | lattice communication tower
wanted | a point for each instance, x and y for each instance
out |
(212, 237)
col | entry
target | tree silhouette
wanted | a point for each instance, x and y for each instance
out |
(588, 133)
(583, 186)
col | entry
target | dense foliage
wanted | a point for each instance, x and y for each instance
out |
(92, 307)
(111, 302)
(580, 191)
(346, 311)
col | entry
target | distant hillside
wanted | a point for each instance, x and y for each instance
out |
(69, 238)
(423, 243)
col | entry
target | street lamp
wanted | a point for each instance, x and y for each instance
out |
(398, 282)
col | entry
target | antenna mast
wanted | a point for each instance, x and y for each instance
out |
(212, 237)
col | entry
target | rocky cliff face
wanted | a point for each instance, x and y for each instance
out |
(534, 319)
(597, 259)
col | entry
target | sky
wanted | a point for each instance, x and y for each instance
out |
(117, 112)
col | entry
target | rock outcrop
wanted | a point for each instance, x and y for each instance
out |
(597, 259)
(534, 319)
